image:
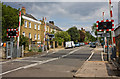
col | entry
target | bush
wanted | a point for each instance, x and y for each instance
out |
(30, 50)
(40, 50)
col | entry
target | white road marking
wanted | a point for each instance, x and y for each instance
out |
(102, 56)
(51, 53)
(43, 55)
(90, 56)
(14, 60)
(28, 60)
(31, 65)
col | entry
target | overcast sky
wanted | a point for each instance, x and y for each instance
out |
(68, 14)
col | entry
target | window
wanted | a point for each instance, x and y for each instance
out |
(29, 35)
(47, 29)
(35, 36)
(25, 23)
(55, 30)
(35, 26)
(24, 34)
(51, 29)
(38, 36)
(29, 24)
(38, 27)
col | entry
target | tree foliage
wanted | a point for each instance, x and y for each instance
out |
(24, 41)
(62, 37)
(10, 19)
(94, 29)
(74, 33)
(82, 36)
(89, 37)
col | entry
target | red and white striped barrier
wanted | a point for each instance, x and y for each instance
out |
(44, 31)
(111, 15)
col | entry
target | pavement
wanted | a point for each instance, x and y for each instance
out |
(95, 67)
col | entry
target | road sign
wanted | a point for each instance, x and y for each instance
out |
(100, 33)
(107, 25)
(105, 35)
(11, 33)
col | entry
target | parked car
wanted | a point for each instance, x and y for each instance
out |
(93, 45)
(81, 44)
(69, 44)
(77, 44)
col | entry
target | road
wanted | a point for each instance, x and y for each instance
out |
(63, 63)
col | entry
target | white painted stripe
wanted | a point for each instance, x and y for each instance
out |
(27, 18)
(90, 56)
(102, 56)
(28, 60)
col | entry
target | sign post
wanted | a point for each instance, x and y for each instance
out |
(105, 25)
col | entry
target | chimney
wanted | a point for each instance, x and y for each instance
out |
(51, 22)
(82, 29)
(23, 10)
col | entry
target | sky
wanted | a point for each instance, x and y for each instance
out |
(68, 14)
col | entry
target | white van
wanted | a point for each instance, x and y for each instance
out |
(69, 44)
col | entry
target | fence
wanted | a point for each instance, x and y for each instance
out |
(11, 50)
(35, 47)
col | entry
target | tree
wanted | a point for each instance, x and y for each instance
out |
(62, 37)
(10, 19)
(74, 33)
(94, 29)
(89, 37)
(82, 36)
(24, 41)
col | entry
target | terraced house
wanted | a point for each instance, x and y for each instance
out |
(31, 27)
(34, 29)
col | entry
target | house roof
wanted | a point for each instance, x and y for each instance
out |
(53, 26)
(30, 16)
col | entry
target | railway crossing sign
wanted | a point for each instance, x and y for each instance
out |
(11, 33)
(107, 25)
(106, 35)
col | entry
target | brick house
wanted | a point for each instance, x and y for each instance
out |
(31, 27)
(34, 29)
(51, 29)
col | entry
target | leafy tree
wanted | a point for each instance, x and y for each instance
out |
(94, 29)
(24, 41)
(74, 33)
(82, 36)
(62, 37)
(89, 37)
(10, 19)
